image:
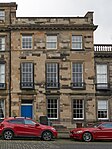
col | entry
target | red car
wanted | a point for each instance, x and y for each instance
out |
(99, 131)
(25, 127)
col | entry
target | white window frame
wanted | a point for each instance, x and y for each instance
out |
(27, 74)
(102, 77)
(51, 42)
(102, 108)
(77, 42)
(2, 73)
(78, 109)
(2, 101)
(27, 42)
(2, 15)
(2, 43)
(52, 75)
(77, 74)
(53, 108)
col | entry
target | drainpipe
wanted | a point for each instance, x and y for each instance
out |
(10, 65)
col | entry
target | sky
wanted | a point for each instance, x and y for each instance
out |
(42, 8)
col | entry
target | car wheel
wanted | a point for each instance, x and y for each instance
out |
(46, 136)
(87, 137)
(8, 135)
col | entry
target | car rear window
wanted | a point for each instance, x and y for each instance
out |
(16, 121)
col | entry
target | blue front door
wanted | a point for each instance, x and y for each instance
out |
(27, 110)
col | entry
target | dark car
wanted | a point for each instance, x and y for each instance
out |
(99, 131)
(25, 127)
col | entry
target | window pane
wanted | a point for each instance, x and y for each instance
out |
(102, 109)
(77, 75)
(102, 114)
(101, 75)
(76, 42)
(27, 74)
(2, 15)
(101, 69)
(51, 42)
(26, 42)
(52, 75)
(2, 73)
(102, 104)
(78, 109)
(52, 108)
(2, 43)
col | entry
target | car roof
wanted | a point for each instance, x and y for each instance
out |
(104, 122)
(11, 118)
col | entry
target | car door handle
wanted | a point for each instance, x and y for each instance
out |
(29, 126)
(26, 125)
(32, 127)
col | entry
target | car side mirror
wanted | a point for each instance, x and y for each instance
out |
(37, 124)
(100, 127)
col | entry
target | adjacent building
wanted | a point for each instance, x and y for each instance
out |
(50, 66)
(103, 81)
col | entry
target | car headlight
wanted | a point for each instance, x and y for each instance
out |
(53, 129)
(80, 131)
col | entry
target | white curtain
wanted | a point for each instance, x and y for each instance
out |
(102, 75)
(2, 73)
(102, 105)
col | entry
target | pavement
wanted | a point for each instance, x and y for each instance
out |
(35, 143)
(63, 135)
(54, 144)
(27, 144)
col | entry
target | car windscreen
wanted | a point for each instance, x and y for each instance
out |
(94, 125)
(1, 120)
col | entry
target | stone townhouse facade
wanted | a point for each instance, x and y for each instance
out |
(48, 67)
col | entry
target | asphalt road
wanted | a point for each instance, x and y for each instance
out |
(56, 144)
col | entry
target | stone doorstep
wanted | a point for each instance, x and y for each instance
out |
(59, 126)
(62, 128)
(63, 131)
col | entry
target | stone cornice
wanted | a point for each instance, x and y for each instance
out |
(4, 29)
(103, 54)
(52, 27)
(12, 4)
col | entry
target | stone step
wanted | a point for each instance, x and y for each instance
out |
(60, 127)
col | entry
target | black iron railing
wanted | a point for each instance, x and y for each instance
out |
(53, 85)
(27, 85)
(102, 86)
(78, 85)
